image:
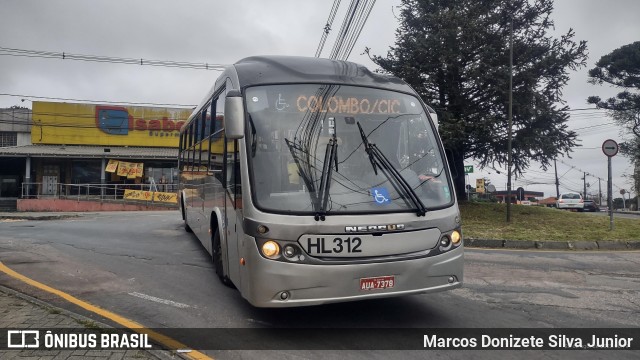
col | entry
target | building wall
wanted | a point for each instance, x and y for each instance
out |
(73, 205)
(15, 120)
(15, 127)
(24, 139)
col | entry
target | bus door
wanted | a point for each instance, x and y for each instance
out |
(233, 208)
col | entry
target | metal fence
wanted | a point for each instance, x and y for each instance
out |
(93, 192)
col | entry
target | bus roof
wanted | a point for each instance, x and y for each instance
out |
(262, 70)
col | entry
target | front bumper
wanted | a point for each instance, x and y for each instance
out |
(263, 280)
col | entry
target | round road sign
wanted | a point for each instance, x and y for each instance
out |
(610, 148)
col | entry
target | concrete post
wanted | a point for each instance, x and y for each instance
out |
(27, 175)
(103, 179)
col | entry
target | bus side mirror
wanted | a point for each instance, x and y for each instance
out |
(234, 115)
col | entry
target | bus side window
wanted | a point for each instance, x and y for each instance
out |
(216, 146)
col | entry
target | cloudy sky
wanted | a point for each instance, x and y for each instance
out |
(222, 32)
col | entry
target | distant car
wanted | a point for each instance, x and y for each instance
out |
(590, 205)
(570, 200)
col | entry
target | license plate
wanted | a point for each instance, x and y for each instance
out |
(333, 246)
(380, 282)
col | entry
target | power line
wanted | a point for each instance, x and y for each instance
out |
(357, 15)
(97, 101)
(327, 27)
(108, 59)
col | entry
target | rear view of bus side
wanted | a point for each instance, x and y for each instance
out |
(313, 181)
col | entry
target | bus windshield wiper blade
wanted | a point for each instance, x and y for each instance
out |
(330, 157)
(377, 157)
(367, 148)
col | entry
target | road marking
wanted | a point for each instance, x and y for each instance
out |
(137, 327)
(567, 251)
(159, 300)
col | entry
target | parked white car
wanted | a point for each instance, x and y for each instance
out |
(570, 200)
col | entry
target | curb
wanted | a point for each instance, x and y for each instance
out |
(157, 353)
(553, 245)
(37, 217)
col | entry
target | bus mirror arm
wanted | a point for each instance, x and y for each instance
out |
(234, 115)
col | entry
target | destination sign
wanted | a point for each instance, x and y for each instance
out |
(347, 105)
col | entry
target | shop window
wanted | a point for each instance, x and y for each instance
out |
(86, 172)
(163, 177)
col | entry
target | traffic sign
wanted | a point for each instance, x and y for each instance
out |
(610, 148)
(480, 186)
(468, 169)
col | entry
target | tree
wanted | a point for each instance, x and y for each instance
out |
(455, 53)
(621, 69)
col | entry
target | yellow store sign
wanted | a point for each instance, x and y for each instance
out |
(89, 124)
(156, 196)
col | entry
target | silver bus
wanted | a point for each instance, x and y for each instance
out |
(313, 181)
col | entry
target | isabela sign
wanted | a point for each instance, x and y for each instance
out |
(118, 121)
(89, 124)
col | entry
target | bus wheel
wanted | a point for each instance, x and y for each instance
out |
(187, 228)
(216, 250)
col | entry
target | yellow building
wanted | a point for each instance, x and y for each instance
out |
(72, 144)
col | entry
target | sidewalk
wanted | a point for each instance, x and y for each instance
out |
(21, 312)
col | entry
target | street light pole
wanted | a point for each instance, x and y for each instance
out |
(510, 120)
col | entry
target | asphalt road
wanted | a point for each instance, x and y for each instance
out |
(145, 267)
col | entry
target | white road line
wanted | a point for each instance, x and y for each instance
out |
(159, 300)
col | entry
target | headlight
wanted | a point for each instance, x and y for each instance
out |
(456, 237)
(271, 249)
(289, 251)
(445, 241)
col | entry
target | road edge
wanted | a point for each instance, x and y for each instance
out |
(594, 245)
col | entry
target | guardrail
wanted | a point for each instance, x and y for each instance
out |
(97, 192)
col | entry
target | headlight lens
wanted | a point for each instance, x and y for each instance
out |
(271, 249)
(289, 251)
(456, 237)
(445, 241)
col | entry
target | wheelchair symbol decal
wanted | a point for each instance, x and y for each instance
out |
(380, 196)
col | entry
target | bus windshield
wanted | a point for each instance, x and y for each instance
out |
(333, 149)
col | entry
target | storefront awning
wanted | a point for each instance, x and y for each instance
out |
(76, 151)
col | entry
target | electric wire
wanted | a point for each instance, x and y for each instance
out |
(327, 27)
(96, 101)
(4, 51)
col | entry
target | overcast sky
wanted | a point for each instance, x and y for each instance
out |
(222, 32)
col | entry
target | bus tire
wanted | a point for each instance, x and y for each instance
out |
(216, 254)
(187, 228)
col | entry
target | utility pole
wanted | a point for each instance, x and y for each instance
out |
(557, 181)
(599, 192)
(584, 182)
(510, 120)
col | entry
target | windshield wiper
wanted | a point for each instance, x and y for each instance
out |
(377, 158)
(330, 158)
(254, 140)
(320, 196)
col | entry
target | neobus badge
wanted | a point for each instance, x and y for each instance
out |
(367, 228)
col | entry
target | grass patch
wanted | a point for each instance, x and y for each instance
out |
(488, 221)
(89, 324)
(53, 311)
